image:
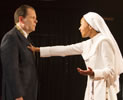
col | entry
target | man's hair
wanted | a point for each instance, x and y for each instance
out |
(21, 11)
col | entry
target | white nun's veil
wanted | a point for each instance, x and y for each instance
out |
(97, 22)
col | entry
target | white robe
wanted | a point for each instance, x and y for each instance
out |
(102, 62)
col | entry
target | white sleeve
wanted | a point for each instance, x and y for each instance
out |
(73, 49)
(108, 72)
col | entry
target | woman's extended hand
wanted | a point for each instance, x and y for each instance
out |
(20, 98)
(33, 48)
(86, 72)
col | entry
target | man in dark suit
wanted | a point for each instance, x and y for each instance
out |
(19, 72)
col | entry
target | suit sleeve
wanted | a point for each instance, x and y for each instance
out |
(10, 61)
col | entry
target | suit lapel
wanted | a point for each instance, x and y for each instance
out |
(24, 40)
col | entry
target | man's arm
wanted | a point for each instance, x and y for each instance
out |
(10, 61)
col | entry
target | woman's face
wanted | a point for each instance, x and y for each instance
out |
(84, 28)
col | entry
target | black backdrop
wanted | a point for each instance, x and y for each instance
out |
(58, 23)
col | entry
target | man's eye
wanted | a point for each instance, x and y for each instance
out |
(33, 17)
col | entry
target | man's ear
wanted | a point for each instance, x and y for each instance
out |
(21, 19)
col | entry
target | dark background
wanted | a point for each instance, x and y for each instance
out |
(58, 23)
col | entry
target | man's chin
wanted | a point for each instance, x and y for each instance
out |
(33, 30)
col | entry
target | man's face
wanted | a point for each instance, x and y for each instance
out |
(30, 20)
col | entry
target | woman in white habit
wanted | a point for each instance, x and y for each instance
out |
(101, 54)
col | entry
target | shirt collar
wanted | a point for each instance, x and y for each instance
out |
(21, 30)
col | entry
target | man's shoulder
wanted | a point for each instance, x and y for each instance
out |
(12, 31)
(10, 35)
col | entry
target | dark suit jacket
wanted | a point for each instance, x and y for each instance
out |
(19, 72)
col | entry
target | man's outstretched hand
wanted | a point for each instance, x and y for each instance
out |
(86, 72)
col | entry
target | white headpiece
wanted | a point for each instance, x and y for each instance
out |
(97, 22)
